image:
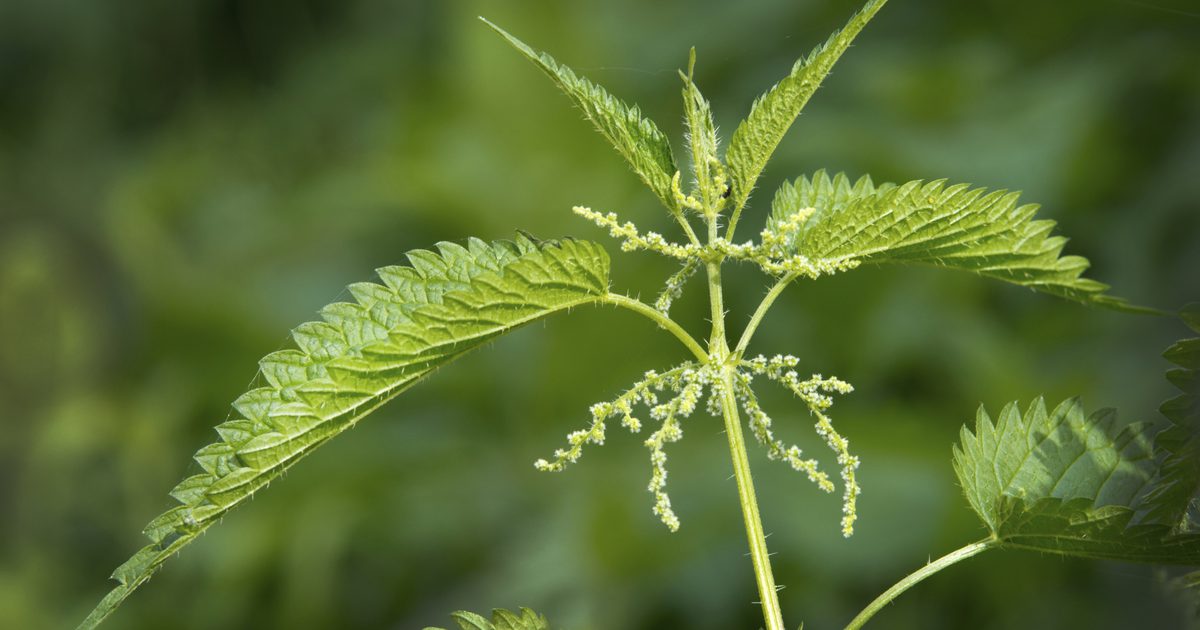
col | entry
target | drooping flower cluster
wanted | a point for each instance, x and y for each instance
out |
(687, 384)
(674, 286)
(814, 392)
(760, 427)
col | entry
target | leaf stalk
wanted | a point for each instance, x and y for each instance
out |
(914, 578)
(664, 322)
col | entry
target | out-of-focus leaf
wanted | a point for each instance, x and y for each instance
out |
(501, 620)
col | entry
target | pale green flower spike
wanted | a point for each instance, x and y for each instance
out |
(777, 238)
(771, 255)
(674, 285)
(760, 426)
(688, 382)
(632, 239)
(643, 392)
(688, 202)
(813, 392)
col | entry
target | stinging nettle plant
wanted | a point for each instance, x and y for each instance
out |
(1055, 481)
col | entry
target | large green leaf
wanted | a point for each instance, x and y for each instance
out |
(636, 138)
(360, 356)
(1066, 483)
(755, 139)
(932, 223)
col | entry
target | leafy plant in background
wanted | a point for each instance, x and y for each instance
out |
(1054, 481)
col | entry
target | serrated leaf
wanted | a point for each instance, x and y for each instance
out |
(527, 620)
(1172, 497)
(442, 306)
(932, 223)
(1064, 483)
(635, 137)
(501, 620)
(755, 139)
(470, 621)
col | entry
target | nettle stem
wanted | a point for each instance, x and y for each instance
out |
(767, 592)
(916, 577)
(717, 345)
(718, 354)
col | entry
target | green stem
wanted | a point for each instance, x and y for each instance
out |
(663, 321)
(915, 577)
(687, 227)
(733, 221)
(716, 342)
(772, 614)
(760, 312)
(718, 348)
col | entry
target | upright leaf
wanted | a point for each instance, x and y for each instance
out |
(1064, 483)
(637, 139)
(755, 139)
(701, 136)
(1178, 446)
(932, 223)
(360, 356)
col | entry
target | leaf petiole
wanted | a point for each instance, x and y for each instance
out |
(664, 322)
(761, 312)
(914, 578)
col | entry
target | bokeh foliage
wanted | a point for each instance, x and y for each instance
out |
(182, 183)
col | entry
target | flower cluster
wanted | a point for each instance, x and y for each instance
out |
(771, 254)
(688, 383)
(760, 427)
(814, 392)
(711, 203)
(674, 286)
(632, 239)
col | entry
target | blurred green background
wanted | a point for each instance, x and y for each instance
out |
(181, 183)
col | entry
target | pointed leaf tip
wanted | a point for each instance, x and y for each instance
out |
(644, 147)
(755, 139)
(1190, 314)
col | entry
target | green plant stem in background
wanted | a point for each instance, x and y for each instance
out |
(772, 615)
(916, 577)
